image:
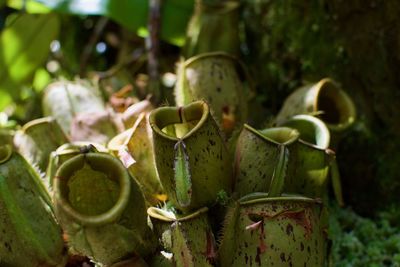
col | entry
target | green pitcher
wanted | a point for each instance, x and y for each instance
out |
(189, 237)
(29, 234)
(324, 99)
(265, 230)
(194, 166)
(134, 147)
(63, 100)
(215, 78)
(37, 139)
(101, 209)
(313, 153)
(214, 26)
(260, 156)
(80, 110)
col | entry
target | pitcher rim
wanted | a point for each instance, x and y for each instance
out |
(106, 217)
(200, 123)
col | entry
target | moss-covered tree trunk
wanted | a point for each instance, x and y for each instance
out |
(358, 44)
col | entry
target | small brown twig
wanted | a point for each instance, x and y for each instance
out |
(153, 49)
(87, 51)
(137, 56)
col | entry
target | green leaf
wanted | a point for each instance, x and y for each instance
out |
(41, 79)
(24, 46)
(182, 179)
(278, 177)
(131, 14)
(336, 184)
(5, 100)
(30, 6)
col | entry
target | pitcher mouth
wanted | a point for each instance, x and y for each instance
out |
(168, 116)
(98, 162)
(312, 130)
(207, 55)
(259, 197)
(276, 135)
(74, 147)
(339, 110)
(29, 125)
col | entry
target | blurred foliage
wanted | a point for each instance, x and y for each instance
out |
(359, 241)
(132, 14)
(29, 6)
(292, 43)
(31, 26)
(24, 46)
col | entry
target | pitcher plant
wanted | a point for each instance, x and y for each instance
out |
(37, 139)
(65, 152)
(262, 155)
(188, 237)
(30, 235)
(80, 110)
(313, 153)
(219, 79)
(193, 162)
(101, 209)
(324, 99)
(63, 100)
(213, 27)
(265, 230)
(134, 147)
(274, 229)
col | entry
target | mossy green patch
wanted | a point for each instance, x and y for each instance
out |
(92, 192)
(361, 241)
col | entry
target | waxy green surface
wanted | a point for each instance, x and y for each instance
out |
(105, 231)
(281, 231)
(204, 164)
(189, 237)
(214, 78)
(29, 234)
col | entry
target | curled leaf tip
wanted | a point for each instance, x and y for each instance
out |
(126, 157)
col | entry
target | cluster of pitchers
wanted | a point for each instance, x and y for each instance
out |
(188, 185)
